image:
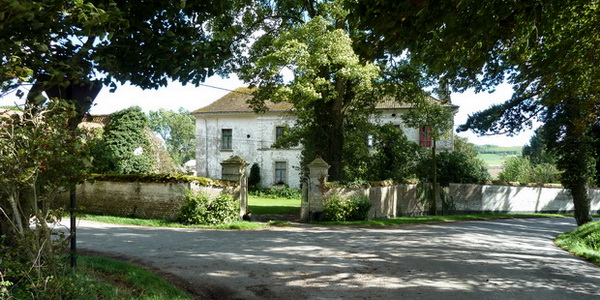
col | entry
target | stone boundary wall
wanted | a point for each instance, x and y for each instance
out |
(139, 199)
(402, 200)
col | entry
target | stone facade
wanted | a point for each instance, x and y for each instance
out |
(229, 126)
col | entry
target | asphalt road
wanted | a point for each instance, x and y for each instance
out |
(501, 259)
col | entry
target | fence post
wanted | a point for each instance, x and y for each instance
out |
(312, 200)
(234, 169)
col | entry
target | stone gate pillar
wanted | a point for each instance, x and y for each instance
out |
(234, 169)
(314, 190)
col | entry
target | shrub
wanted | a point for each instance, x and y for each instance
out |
(254, 178)
(200, 209)
(459, 166)
(277, 192)
(592, 241)
(337, 209)
(522, 170)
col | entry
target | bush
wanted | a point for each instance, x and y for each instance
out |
(277, 192)
(461, 165)
(200, 209)
(337, 209)
(520, 169)
(592, 241)
(254, 178)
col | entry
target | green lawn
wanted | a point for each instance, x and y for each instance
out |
(105, 278)
(267, 206)
(164, 223)
(583, 241)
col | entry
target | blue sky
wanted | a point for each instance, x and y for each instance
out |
(191, 98)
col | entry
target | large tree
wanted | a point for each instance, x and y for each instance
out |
(337, 75)
(547, 50)
(177, 130)
(331, 87)
(69, 49)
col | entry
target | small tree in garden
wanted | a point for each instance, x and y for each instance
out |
(254, 178)
(439, 119)
(40, 157)
(461, 165)
(394, 154)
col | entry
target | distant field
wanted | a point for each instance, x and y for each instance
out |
(493, 159)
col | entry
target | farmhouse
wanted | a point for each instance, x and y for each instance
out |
(229, 127)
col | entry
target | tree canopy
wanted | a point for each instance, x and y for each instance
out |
(334, 84)
(547, 50)
(69, 49)
(177, 131)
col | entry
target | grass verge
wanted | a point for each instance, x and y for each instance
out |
(430, 219)
(164, 223)
(106, 278)
(269, 206)
(584, 241)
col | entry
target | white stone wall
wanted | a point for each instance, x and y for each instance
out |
(253, 136)
(401, 200)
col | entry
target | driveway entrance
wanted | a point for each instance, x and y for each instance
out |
(502, 259)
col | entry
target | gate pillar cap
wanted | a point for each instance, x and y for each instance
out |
(319, 163)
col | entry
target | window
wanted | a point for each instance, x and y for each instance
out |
(279, 132)
(280, 172)
(226, 139)
(425, 139)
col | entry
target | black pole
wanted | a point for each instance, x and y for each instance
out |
(73, 197)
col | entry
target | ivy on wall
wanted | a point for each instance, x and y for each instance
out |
(124, 147)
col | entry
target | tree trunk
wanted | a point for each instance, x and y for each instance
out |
(434, 198)
(576, 159)
(581, 202)
(82, 95)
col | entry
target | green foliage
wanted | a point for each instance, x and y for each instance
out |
(38, 275)
(254, 177)
(537, 151)
(177, 129)
(277, 192)
(40, 158)
(394, 156)
(520, 169)
(356, 208)
(461, 165)
(161, 178)
(583, 241)
(515, 169)
(105, 278)
(117, 42)
(493, 149)
(124, 147)
(453, 167)
(524, 45)
(332, 86)
(200, 209)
